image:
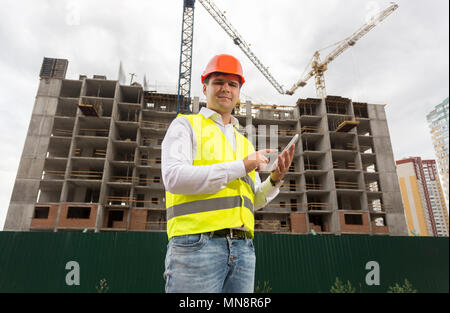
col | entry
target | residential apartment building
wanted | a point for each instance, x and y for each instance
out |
(92, 161)
(438, 121)
(423, 198)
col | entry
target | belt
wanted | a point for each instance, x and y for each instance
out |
(232, 233)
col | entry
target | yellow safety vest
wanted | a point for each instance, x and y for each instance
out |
(233, 206)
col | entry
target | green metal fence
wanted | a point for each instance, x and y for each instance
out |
(134, 262)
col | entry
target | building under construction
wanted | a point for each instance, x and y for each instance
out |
(92, 161)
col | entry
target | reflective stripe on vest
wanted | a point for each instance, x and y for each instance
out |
(250, 182)
(206, 205)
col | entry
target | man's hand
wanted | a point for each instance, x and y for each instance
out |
(284, 162)
(257, 160)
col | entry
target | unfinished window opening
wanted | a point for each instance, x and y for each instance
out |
(41, 212)
(373, 186)
(114, 216)
(360, 109)
(376, 205)
(317, 202)
(129, 114)
(157, 179)
(294, 204)
(311, 143)
(121, 174)
(70, 88)
(58, 148)
(101, 89)
(346, 180)
(160, 100)
(309, 128)
(126, 134)
(96, 107)
(98, 153)
(131, 94)
(140, 198)
(363, 128)
(125, 156)
(49, 193)
(353, 219)
(92, 196)
(349, 202)
(158, 160)
(313, 162)
(380, 221)
(366, 149)
(62, 127)
(343, 141)
(66, 107)
(337, 105)
(308, 106)
(119, 197)
(318, 222)
(370, 167)
(156, 220)
(144, 159)
(155, 201)
(314, 183)
(79, 212)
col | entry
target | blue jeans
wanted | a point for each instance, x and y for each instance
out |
(201, 263)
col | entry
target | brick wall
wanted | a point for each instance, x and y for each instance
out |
(379, 229)
(77, 222)
(45, 222)
(298, 222)
(138, 219)
(116, 224)
(364, 228)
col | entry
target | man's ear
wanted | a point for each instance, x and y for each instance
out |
(204, 89)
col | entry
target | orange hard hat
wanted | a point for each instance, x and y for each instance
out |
(224, 63)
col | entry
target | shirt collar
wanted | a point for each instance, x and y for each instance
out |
(208, 113)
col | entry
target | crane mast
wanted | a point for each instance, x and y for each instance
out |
(318, 67)
(185, 66)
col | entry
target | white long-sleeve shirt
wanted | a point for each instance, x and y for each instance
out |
(180, 176)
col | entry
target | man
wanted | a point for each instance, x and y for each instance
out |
(212, 190)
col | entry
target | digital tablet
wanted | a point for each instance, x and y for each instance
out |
(272, 165)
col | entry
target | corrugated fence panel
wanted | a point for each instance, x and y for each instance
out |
(312, 263)
(134, 261)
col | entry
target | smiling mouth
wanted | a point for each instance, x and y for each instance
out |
(223, 97)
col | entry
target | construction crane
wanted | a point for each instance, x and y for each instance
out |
(318, 68)
(187, 35)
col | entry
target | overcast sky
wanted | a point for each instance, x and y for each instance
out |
(403, 62)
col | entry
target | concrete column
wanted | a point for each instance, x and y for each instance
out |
(196, 105)
(26, 186)
(387, 171)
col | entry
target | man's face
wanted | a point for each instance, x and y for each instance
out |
(222, 92)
